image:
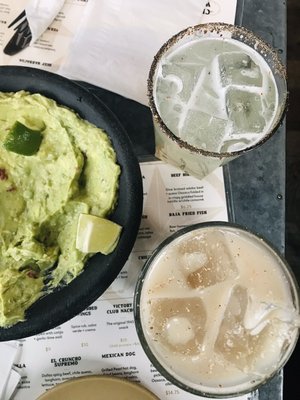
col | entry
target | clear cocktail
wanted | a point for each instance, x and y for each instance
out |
(217, 310)
(215, 91)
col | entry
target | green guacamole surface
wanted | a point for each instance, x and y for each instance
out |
(41, 196)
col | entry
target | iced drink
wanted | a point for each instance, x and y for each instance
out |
(217, 310)
(215, 91)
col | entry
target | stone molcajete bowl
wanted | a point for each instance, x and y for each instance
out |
(100, 270)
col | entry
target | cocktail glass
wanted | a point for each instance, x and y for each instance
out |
(215, 91)
(217, 310)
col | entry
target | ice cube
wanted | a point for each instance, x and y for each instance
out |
(192, 261)
(207, 101)
(244, 109)
(250, 350)
(234, 342)
(170, 113)
(207, 260)
(188, 74)
(212, 93)
(168, 86)
(193, 54)
(179, 331)
(178, 323)
(237, 68)
(203, 130)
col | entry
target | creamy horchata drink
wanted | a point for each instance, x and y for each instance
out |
(217, 310)
(215, 91)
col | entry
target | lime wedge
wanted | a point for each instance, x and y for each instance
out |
(96, 234)
(23, 140)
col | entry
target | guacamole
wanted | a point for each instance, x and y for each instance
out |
(73, 171)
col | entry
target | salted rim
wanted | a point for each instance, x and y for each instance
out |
(238, 33)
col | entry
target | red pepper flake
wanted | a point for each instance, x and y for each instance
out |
(3, 174)
(32, 274)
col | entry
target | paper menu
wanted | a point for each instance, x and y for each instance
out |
(172, 200)
(102, 339)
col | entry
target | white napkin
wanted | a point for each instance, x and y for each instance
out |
(114, 41)
(117, 40)
(9, 378)
(40, 14)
